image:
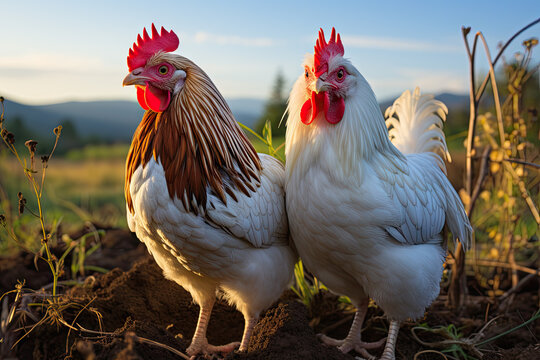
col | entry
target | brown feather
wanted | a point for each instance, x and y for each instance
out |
(197, 141)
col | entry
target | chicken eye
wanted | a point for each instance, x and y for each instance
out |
(163, 70)
(307, 74)
(340, 74)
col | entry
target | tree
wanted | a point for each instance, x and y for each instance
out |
(275, 108)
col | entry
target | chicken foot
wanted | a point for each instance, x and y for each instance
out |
(354, 338)
(199, 343)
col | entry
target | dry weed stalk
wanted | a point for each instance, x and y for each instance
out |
(37, 188)
(494, 147)
(132, 337)
(460, 346)
(46, 306)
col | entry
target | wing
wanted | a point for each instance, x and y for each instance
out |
(210, 242)
(260, 218)
(420, 199)
(130, 220)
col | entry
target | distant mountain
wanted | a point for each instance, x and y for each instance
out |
(109, 120)
(246, 106)
(121, 112)
(452, 101)
(117, 120)
(246, 110)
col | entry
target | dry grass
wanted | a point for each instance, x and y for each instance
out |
(75, 190)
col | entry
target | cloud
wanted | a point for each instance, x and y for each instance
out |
(437, 80)
(373, 42)
(429, 81)
(202, 37)
(50, 62)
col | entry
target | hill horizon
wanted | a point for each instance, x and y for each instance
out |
(116, 120)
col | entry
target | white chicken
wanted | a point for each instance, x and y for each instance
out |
(366, 210)
(208, 207)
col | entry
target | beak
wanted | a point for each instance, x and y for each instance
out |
(135, 78)
(321, 86)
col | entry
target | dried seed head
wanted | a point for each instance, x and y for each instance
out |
(2, 219)
(31, 145)
(45, 159)
(58, 130)
(530, 43)
(9, 137)
(22, 203)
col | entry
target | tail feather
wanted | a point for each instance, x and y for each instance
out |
(415, 125)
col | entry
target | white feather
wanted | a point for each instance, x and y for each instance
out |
(365, 218)
(229, 249)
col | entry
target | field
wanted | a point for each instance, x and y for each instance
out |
(85, 185)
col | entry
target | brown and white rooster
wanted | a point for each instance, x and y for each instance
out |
(366, 209)
(208, 207)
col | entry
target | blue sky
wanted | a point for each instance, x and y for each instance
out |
(58, 51)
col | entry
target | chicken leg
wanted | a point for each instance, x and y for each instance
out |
(199, 343)
(354, 338)
(250, 322)
(389, 349)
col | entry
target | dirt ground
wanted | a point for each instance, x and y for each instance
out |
(133, 307)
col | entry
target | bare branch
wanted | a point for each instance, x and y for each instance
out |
(494, 263)
(484, 83)
(495, 90)
(522, 162)
(484, 171)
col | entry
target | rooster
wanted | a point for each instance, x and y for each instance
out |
(366, 206)
(210, 210)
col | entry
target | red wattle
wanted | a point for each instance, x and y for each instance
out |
(140, 98)
(158, 100)
(334, 108)
(311, 108)
(305, 112)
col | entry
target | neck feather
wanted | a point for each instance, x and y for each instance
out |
(199, 145)
(360, 137)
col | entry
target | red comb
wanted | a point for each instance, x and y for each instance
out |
(324, 50)
(146, 47)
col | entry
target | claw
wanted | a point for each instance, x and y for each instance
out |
(210, 351)
(346, 345)
(327, 340)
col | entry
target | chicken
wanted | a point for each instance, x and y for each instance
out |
(366, 209)
(210, 210)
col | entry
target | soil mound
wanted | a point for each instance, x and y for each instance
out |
(133, 312)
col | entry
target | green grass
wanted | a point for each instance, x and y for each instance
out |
(277, 142)
(99, 152)
(84, 185)
(456, 141)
